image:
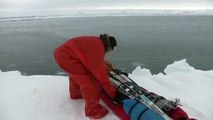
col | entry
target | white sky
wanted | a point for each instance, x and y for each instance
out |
(148, 4)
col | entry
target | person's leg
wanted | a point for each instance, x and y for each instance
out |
(70, 64)
(74, 89)
(91, 92)
(80, 77)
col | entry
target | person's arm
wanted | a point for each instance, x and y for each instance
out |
(92, 55)
(102, 77)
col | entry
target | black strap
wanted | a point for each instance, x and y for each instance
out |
(139, 117)
(132, 107)
(158, 99)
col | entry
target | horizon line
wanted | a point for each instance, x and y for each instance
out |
(110, 8)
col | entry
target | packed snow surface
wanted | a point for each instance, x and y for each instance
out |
(44, 97)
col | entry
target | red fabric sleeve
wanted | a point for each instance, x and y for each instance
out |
(96, 65)
(101, 75)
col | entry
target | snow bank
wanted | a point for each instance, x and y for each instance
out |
(181, 80)
(38, 14)
(42, 97)
(38, 97)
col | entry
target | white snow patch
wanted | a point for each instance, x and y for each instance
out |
(42, 97)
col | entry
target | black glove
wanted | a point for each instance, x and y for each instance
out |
(119, 97)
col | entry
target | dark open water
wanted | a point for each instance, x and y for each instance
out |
(152, 42)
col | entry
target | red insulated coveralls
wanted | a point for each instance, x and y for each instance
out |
(83, 58)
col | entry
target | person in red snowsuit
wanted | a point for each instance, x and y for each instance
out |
(83, 59)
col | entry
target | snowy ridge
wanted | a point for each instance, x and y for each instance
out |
(181, 80)
(26, 15)
(42, 97)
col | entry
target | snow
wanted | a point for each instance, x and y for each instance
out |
(45, 97)
(38, 97)
(38, 14)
